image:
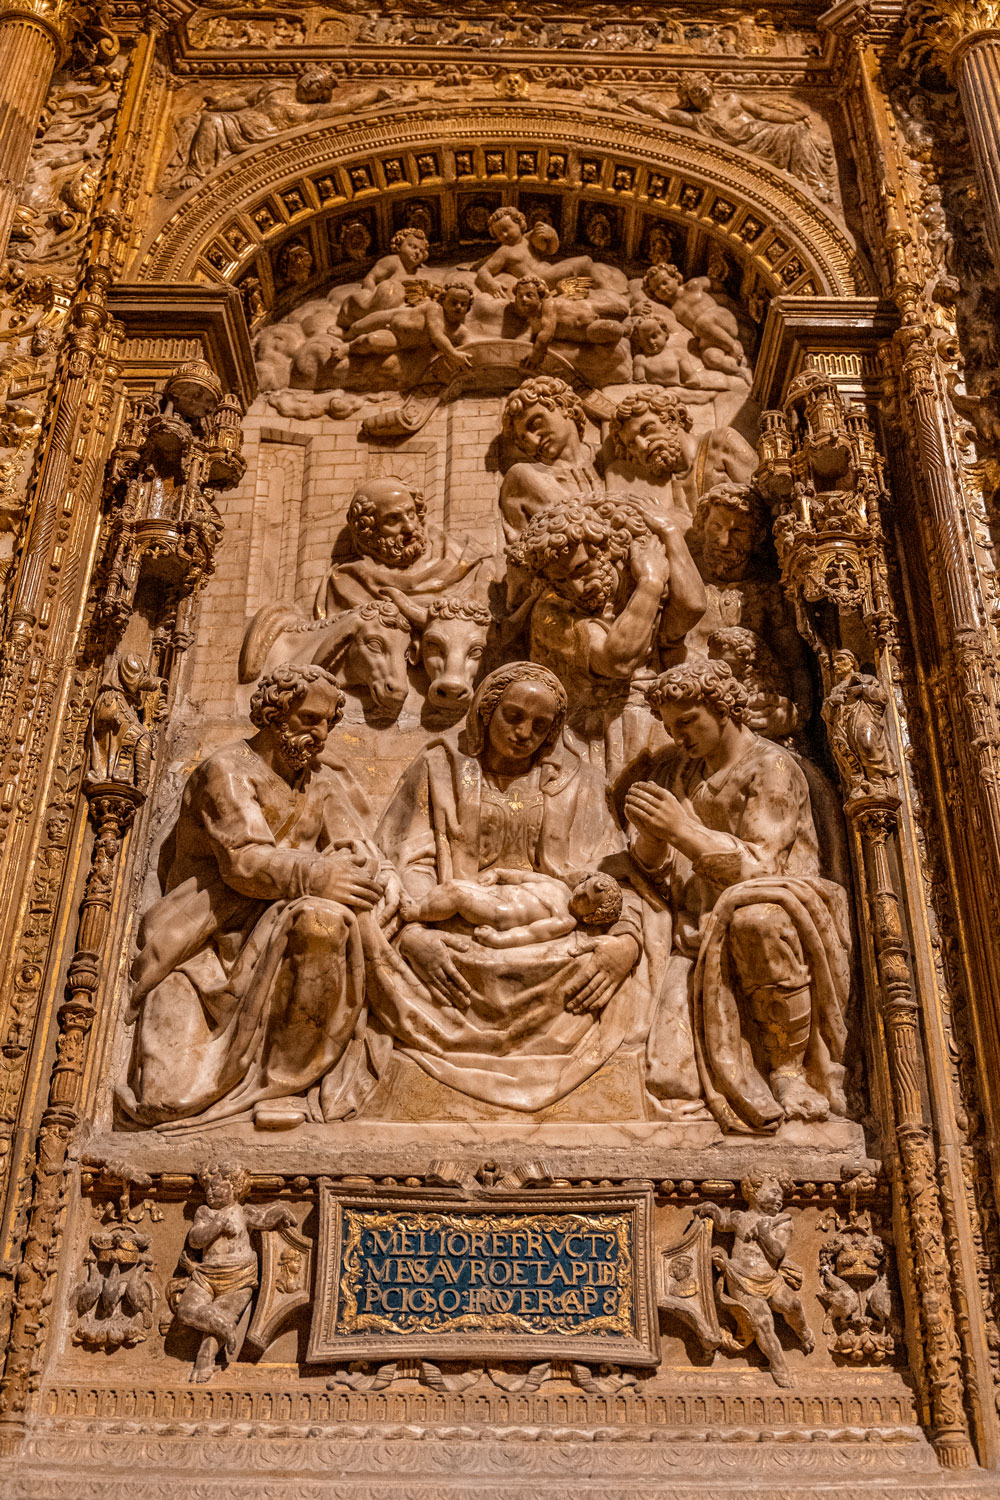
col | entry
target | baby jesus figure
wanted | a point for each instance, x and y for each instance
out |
(513, 907)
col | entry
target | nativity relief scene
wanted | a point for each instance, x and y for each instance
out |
(610, 882)
(499, 834)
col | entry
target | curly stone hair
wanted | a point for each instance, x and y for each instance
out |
(609, 905)
(491, 690)
(226, 1171)
(450, 608)
(710, 682)
(611, 523)
(410, 231)
(536, 283)
(657, 269)
(649, 398)
(362, 511)
(547, 391)
(751, 1185)
(440, 292)
(278, 694)
(507, 211)
(741, 498)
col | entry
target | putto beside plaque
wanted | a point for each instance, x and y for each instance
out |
(552, 1275)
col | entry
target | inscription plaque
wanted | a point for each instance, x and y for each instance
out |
(555, 1275)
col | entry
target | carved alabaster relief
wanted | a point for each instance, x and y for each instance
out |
(860, 1319)
(115, 1300)
(249, 985)
(755, 1282)
(521, 309)
(780, 132)
(410, 596)
(733, 36)
(724, 823)
(656, 452)
(503, 951)
(225, 124)
(217, 1282)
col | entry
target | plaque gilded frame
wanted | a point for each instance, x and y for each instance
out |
(612, 1317)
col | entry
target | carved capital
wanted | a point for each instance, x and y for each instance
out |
(54, 16)
(939, 35)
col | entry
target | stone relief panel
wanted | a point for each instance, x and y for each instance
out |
(531, 822)
(727, 34)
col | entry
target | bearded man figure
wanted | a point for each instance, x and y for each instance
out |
(399, 554)
(249, 992)
(617, 592)
(729, 542)
(651, 432)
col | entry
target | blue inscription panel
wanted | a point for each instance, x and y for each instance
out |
(451, 1279)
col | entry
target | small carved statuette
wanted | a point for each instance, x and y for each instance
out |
(757, 1279)
(218, 1288)
(121, 728)
(855, 713)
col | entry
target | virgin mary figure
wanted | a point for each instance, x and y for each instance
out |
(519, 969)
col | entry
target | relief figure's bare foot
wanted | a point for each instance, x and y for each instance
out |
(797, 1098)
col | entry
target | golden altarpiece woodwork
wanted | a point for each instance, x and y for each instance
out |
(499, 749)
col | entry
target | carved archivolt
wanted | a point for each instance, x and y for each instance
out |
(759, 214)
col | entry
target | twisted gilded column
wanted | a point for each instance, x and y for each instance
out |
(33, 36)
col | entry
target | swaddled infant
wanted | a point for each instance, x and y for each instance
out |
(514, 907)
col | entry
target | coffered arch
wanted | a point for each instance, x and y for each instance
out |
(306, 184)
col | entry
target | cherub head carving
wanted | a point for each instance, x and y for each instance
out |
(224, 1183)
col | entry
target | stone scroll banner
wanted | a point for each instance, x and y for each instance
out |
(555, 1275)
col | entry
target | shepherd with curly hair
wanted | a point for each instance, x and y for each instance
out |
(617, 589)
(651, 434)
(249, 982)
(761, 976)
(545, 420)
(517, 254)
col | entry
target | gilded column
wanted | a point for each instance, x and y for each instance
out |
(975, 67)
(33, 35)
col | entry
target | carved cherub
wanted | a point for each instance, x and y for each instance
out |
(693, 305)
(855, 711)
(758, 1277)
(434, 325)
(576, 320)
(520, 250)
(384, 289)
(222, 1283)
